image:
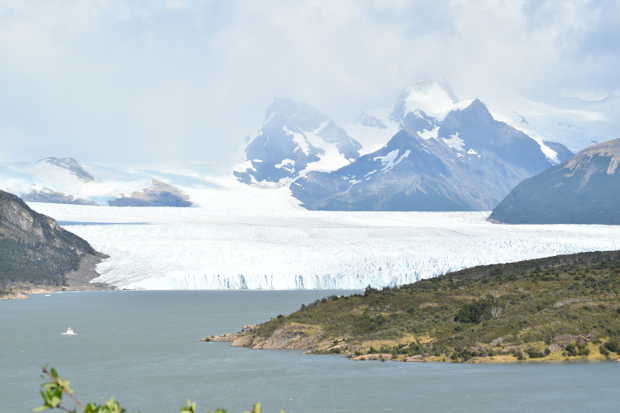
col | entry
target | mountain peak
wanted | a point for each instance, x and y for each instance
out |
(69, 164)
(293, 136)
(479, 109)
(432, 98)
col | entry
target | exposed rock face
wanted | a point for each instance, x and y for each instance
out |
(458, 158)
(54, 197)
(371, 121)
(158, 194)
(294, 137)
(35, 249)
(584, 190)
(70, 165)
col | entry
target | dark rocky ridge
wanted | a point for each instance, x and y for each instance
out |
(70, 165)
(584, 190)
(34, 249)
(158, 194)
(54, 197)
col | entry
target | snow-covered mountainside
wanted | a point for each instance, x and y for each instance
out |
(280, 248)
(448, 155)
(373, 128)
(574, 119)
(295, 138)
(584, 190)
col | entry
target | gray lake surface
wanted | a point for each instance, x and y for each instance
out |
(143, 348)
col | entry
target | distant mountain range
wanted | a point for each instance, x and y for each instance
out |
(431, 151)
(446, 155)
(583, 190)
(66, 181)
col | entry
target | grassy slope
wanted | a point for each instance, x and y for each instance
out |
(567, 306)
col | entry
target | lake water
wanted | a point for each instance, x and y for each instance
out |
(144, 349)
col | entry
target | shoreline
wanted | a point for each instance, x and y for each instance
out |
(306, 340)
(23, 291)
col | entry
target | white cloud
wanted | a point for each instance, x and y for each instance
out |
(190, 79)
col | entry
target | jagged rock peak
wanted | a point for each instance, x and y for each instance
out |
(71, 165)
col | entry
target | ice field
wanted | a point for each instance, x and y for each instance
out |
(201, 248)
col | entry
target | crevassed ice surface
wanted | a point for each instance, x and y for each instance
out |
(196, 248)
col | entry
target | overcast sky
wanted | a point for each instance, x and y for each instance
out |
(129, 80)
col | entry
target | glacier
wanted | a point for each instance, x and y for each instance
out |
(275, 248)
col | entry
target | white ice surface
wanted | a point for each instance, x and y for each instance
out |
(288, 248)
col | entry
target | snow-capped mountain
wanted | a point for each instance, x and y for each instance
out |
(448, 155)
(583, 190)
(294, 139)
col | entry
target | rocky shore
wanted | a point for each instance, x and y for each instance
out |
(310, 340)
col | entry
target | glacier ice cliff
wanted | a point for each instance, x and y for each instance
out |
(196, 248)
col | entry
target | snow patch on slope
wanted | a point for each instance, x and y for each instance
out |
(427, 134)
(455, 142)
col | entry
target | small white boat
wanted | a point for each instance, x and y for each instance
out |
(69, 332)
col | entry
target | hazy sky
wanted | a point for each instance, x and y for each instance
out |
(130, 80)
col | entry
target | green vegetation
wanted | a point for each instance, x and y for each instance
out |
(564, 307)
(56, 391)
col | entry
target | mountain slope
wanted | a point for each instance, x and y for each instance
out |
(35, 249)
(460, 158)
(584, 190)
(523, 311)
(294, 138)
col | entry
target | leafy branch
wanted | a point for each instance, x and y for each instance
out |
(55, 388)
